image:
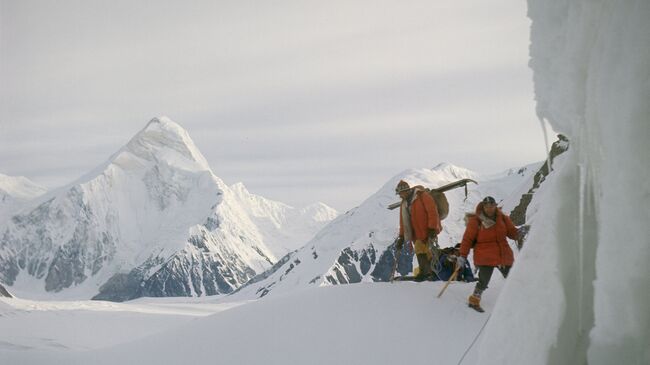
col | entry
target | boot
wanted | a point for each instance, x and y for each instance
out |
(425, 267)
(474, 302)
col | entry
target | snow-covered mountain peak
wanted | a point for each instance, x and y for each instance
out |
(257, 205)
(19, 187)
(320, 212)
(439, 175)
(240, 190)
(15, 191)
(164, 140)
(260, 206)
(153, 220)
(454, 171)
(284, 227)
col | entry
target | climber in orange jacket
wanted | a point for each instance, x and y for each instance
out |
(419, 222)
(486, 233)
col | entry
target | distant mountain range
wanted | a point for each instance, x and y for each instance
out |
(153, 220)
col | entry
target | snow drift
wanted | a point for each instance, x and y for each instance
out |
(350, 324)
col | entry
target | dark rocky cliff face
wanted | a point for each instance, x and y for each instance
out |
(351, 266)
(29, 244)
(195, 271)
(4, 292)
(518, 214)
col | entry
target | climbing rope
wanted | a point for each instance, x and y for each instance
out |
(475, 338)
(435, 251)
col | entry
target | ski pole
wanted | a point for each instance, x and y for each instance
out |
(451, 278)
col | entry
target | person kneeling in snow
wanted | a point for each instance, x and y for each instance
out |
(486, 233)
(419, 222)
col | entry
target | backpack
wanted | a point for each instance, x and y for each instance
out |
(441, 202)
(439, 197)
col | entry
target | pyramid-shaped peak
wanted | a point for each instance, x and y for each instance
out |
(166, 124)
(164, 139)
(163, 129)
(320, 211)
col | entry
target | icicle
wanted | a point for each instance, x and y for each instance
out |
(581, 227)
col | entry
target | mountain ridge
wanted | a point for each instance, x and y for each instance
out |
(152, 220)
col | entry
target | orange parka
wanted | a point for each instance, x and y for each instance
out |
(424, 215)
(491, 247)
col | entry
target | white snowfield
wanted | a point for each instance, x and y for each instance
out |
(369, 323)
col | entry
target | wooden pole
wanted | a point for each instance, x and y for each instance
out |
(451, 278)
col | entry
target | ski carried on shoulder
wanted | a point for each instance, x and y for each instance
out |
(442, 189)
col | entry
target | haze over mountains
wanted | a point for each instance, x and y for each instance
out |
(153, 220)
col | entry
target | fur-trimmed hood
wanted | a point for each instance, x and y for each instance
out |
(479, 210)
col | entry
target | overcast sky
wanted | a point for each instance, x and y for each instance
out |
(302, 101)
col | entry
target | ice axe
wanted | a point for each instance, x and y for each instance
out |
(451, 278)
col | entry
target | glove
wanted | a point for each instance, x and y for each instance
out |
(400, 243)
(432, 234)
(460, 262)
(521, 235)
(520, 244)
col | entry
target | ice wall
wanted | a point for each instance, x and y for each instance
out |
(580, 291)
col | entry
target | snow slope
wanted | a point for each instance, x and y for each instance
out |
(582, 285)
(153, 220)
(373, 323)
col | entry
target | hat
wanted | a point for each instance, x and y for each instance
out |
(402, 186)
(489, 200)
